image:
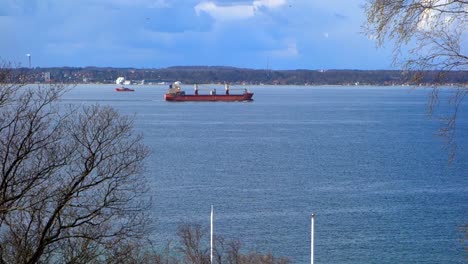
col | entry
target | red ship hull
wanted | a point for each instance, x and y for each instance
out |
(208, 98)
(124, 89)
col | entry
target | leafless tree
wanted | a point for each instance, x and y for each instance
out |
(191, 244)
(464, 238)
(234, 252)
(168, 255)
(71, 187)
(436, 26)
(427, 35)
(225, 251)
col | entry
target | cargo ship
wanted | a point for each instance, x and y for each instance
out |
(176, 94)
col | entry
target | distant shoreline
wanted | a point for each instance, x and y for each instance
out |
(239, 76)
(189, 86)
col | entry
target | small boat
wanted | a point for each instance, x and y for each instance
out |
(175, 94)
(124, 89)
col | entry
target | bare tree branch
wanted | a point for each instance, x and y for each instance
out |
(432, 33)
(68, 176)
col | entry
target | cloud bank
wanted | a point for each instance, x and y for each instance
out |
(230, 12)
(286, 34)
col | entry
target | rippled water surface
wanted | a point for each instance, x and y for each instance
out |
(365, 160)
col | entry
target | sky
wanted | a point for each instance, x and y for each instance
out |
(258, 34)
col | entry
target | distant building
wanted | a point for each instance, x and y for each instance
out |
(120, 80)
(47, 76)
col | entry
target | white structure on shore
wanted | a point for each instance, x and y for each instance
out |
(120, 80)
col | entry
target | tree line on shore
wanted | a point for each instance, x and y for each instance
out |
(219, 74)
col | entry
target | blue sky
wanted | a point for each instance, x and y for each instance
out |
(278, 34)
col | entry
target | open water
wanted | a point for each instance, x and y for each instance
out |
(365, 160)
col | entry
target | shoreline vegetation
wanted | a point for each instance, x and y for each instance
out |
(241, 76)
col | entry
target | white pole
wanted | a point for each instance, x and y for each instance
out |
(29, 58)
(312, 238)
(211, 235)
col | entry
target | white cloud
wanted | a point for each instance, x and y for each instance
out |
(441, 18)
(225, 13)
(268, 3)
(290, 51)
(235, 12)
(372, 37)
(337, 6)
(141, 3)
